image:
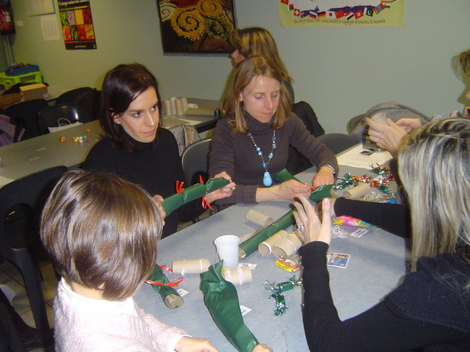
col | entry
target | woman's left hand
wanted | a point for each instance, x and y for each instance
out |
(309, 225)
(324, 176)
(223, 192)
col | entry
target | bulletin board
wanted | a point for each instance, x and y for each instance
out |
(196, 26)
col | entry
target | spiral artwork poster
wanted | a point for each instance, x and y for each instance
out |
(196, 26)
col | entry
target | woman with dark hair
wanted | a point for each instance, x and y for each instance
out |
(251, 142)
(136, 147)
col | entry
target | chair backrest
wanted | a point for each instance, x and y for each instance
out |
(195, 160)
(90, 101)
(26, 194)
(25, 114)
(306, 113)
(71, 95)
(60, 114)
(337, 142)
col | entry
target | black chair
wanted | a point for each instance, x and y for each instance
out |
(195, 161)
(20, 208)
(61, 114)
(337, 142)
(90, 101)
(296, 162)
(25, 114)
(353, 122)
(71, 95)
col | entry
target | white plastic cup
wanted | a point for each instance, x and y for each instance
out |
(227, 250)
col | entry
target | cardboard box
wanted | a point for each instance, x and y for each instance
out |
(34, 91)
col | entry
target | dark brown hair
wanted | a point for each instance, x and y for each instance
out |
(121, 86)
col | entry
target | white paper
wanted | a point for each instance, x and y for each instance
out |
(354, 158)
(39, 7)
(50, 28)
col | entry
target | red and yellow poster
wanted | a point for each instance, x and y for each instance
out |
(77, 24)
(340, 13)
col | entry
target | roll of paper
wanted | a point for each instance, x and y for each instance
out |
(202, 112)
(238, 276)
(168, 108)
(258, 218)
(380, 118)
(191, 266)
(185, 103)
(287, 246)
(265, 247)
(179, 107)
(173, 106)
(359, 191)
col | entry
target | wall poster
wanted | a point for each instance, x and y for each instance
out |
(336, 13)
(196, 26)
(77, 24)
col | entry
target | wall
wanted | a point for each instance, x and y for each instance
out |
(341, 72)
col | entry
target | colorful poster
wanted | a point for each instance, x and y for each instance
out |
(337, 13)
(196, 26)
(77, 24)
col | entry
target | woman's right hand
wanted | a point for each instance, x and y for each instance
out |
(309, 225)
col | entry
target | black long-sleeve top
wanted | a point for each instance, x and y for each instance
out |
(429, 310)
(156, 169)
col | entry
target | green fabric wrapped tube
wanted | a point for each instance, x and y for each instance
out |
(251, 245)
(317, 194)
(221, 299)
(191, 193)
(170, 296)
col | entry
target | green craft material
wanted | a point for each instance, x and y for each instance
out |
(251, 245)
(317, 194)
(170, 296)
(221, 299)
(191, 193)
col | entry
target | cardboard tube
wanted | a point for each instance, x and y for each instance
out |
(287, 246)
(173, 301)
(238, 276)
(360, 190)
(258, 218)
(265, 247)
(173, 106)
(380, 118)
(191, 266)
(168, 108)
(202, 112)
(179, 107)
(185, 103)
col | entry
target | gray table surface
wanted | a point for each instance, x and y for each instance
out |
(376, 266)
(26, 157)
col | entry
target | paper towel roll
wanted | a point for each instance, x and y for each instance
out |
(265, 247)
(191, 266)
(179, 107)
(238, 276)
(173, 106)
(287, 246)
(258, 218)
(360, 190)
(168, 107)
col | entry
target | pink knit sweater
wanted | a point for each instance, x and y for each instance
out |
(83, 324)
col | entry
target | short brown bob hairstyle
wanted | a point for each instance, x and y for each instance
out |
(247, 70)
(101, 232)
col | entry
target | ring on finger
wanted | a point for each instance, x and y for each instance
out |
(300, 227)
(377, 133)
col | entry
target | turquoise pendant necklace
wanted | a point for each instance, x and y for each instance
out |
(267, 179)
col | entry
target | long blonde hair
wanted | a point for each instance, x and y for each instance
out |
(257, 41)
(245, 72)
(435, 170)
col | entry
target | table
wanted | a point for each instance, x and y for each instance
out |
(376, 266)
(39, 153)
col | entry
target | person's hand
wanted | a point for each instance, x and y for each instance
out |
(262, 348)
(324, 176)
(159, 200)
(319, 208)
(189, 344)
(292, 189)
(223, 192)
(388, 136)
(309, 225)
(409, 124)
